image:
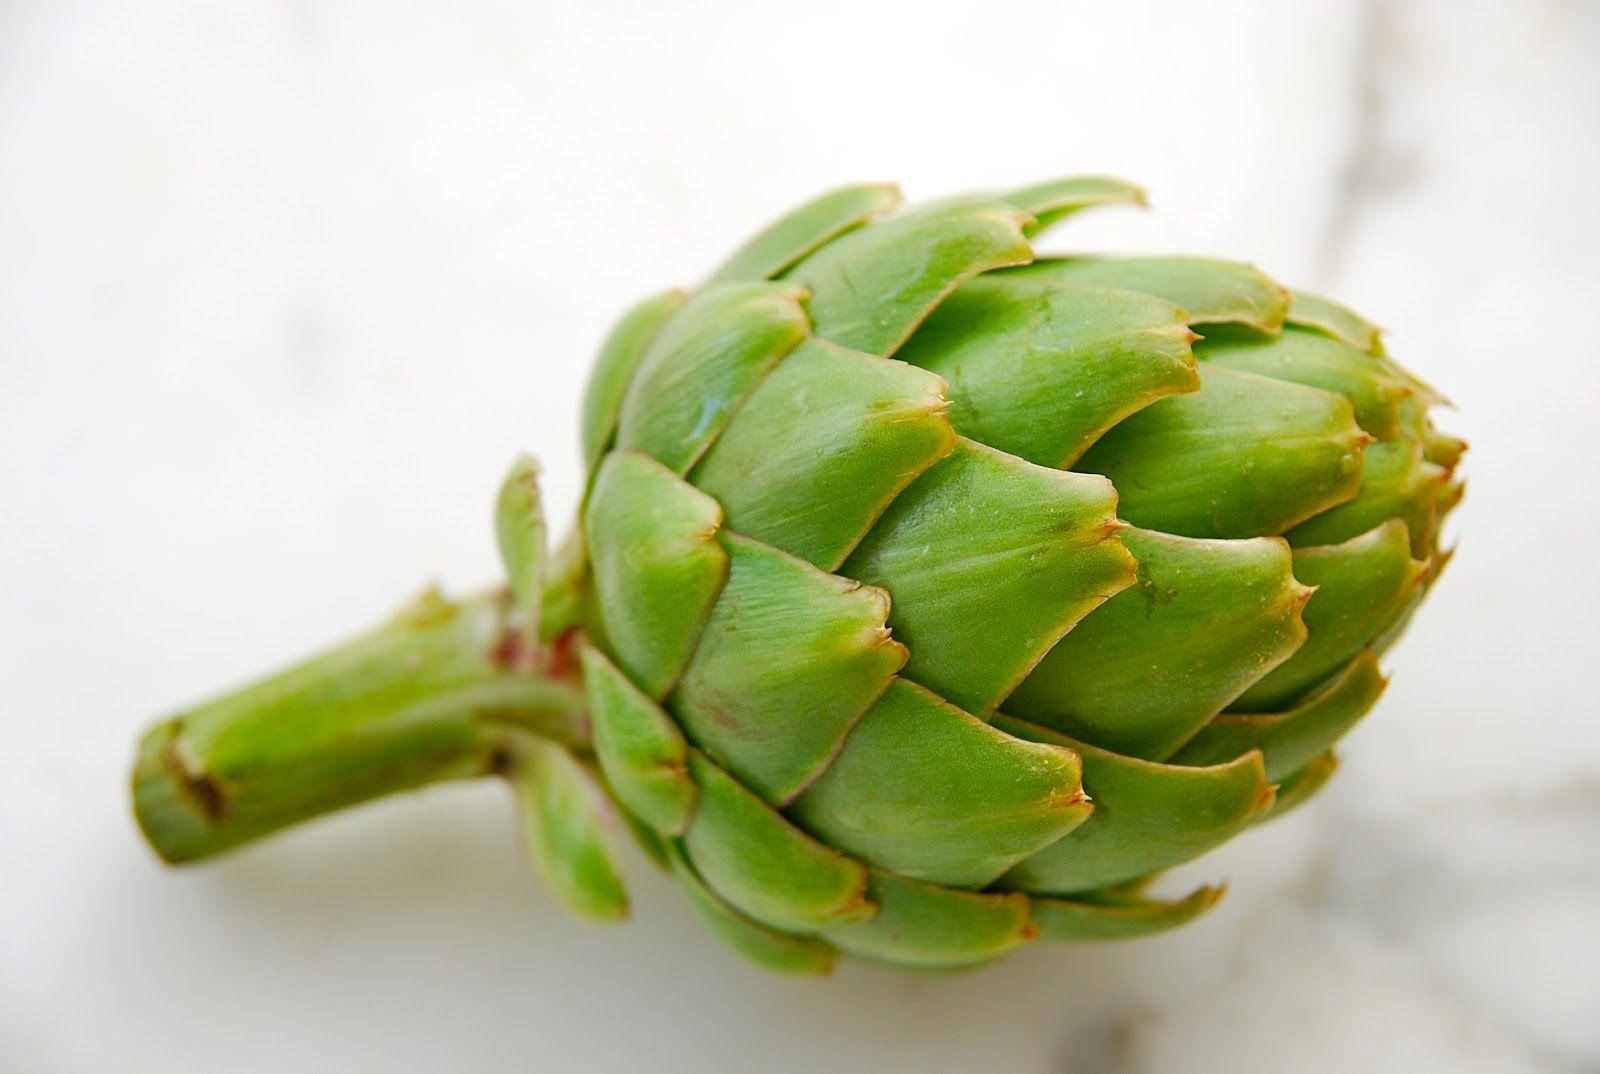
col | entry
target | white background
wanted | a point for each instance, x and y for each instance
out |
(284, 285)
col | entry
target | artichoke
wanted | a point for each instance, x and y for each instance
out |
(927, 596)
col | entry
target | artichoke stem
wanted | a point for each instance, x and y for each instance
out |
(433, 694)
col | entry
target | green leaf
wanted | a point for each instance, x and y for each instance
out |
(1147, 816)
(1204, 621)
(1397, 482)
(766, 947)
(934, 927)
(1291, 740)
(562, 807)
(1118, 919)
(566, 586)
(766, 867)
(615, 365)
(1245, 456)
(641, 751)
(1041, 370)
(1332, 319)
(933, 793)
(1053, 199)
(1303, 357)
(647, 839)
(789, 661)
(519, 528)
(823, 446)
(1424, 395)
(1432, 569)
(871, 287)
(1363, 585)
(702, 365)
(991, 560)
(807, 228)
(1446, 500)
(1297, 789)
(1207, 290)
(657, 565)
(1444, 450)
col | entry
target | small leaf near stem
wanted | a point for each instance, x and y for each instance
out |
(563, 810)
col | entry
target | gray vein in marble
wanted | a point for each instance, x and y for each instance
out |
(1372, 167)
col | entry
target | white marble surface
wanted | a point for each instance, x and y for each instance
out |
(283, 285)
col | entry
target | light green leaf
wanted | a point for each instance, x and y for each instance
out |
(615, 365)
(1121, 918)
(641, 751)
(1147, 816)
(1245, 456)
(823, 446)
(1205, 620)
(1304, 357)
(807, 228)
(1332, 319)
(766, 867)
(566, 586)
(789, 661)
(933, 793)
(1397, 482)
(1207, 290)
(657, 565)
(702, 365)
(991, 560)
(1054, 199)
(934, 927)
(1041, 370)
(871, 287)
(1363, 585)
(1291, 740)
(1444, 450)
(562, 808)
(1298, 789)
(767, 948)
(519, 528)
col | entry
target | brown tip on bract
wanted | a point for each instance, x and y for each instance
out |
(1075, 799)
(850, 910)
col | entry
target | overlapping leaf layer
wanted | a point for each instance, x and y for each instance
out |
(943, 595)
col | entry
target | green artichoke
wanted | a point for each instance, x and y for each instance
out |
(927, 597)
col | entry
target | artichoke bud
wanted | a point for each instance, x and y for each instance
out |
(945, 594)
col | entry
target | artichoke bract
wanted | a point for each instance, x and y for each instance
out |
(927, 597)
